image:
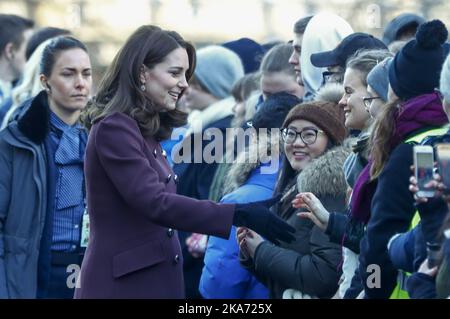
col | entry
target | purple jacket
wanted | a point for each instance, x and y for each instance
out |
(133, 251)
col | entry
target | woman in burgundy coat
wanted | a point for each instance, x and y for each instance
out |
(133, 249)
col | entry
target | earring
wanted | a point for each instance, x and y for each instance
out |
(143, 87)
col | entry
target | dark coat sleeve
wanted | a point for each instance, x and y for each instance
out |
(356, 286)
(121, 152)
(314, 273)
(391, 213)
(421, 286)
(249, 264)
(401, 250)
(6, 169)
(345, 231)
(336, 227)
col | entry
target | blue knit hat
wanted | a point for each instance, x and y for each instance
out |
(250, 52)
(415, 70)
(378, 78)
(217, 69)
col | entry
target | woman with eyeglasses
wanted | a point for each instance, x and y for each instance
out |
(414, 114)
(381, 199)
(311, 134)
(377, 88)
(339, 227)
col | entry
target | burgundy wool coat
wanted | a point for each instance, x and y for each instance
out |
(133, 249)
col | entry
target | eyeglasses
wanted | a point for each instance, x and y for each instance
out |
(308, 136)
(368, 100)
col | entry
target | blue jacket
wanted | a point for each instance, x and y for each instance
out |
(223, 276)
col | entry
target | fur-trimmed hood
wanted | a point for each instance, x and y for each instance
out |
(246, 162)
(330, 92)
(34, 118)
(325, 175)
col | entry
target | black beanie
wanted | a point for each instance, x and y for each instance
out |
(272, 112)
(415, 70)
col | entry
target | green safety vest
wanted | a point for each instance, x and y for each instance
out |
(399, 291)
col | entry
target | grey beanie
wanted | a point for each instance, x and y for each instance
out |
(217, 69)
(378, 78)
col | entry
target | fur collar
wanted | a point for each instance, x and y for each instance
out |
(247, 161)
(35, 121)
(325, 175)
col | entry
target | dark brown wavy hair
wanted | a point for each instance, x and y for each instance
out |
(381, 138)
(119, 89)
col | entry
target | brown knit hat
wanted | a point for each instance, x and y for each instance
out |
(326, 115)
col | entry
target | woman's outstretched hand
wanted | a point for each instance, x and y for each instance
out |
(317, 213)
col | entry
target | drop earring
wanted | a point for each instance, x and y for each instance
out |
(143, 87)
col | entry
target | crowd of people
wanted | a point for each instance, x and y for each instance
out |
(241, 170)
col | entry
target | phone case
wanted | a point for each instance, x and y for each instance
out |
(424, 165)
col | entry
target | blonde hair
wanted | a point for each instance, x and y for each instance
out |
(30, 85)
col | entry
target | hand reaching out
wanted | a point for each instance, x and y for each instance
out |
(196, 244)
(317, 213)
(424, 269)
(241, 233)
(250, 242)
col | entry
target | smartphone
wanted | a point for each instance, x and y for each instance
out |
(424, 165)
(443, 157)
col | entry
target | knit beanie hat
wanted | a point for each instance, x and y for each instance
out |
(415, 70)
(249, 51)
(378, 78)
(399, 24)
(217, 69)
(272, 112)
(326, 115)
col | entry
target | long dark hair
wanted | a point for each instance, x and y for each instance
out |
(119, 89)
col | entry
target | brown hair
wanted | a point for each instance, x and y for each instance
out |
(365, 60)
(380, 140)
(119, 89)
(300, 25)
(245, 86)
(277, 60)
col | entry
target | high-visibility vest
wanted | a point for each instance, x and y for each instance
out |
(400, 291)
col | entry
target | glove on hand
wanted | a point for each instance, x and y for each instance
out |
(258, 217)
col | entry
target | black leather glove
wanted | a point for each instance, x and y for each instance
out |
(259, 218)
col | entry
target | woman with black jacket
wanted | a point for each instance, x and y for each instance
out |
(312, 133)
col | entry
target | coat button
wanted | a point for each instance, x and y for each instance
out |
(175, 179)
(169, 177)
(170, 232)
(155, 153)
(176, 259)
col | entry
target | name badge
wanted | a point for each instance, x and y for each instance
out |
(85, 230)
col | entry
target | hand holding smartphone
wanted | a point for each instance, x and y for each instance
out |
(424, 165)
(443, 157)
